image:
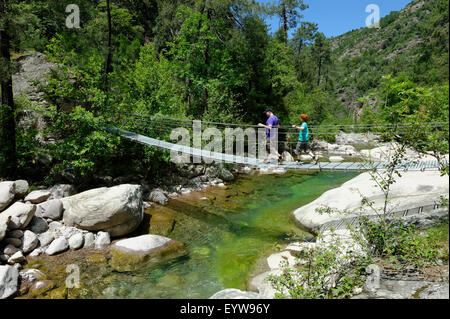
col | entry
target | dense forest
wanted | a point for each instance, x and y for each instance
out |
(210, 60)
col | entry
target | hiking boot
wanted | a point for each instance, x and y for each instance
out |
(315, 159)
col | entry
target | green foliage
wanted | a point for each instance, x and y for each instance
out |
(326, 273)
(402, 244)
(216, 60)
(83, 144)
(400, 101)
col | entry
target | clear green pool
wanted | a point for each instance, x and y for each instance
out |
(228, 232)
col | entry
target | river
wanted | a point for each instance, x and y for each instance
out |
(228, 232)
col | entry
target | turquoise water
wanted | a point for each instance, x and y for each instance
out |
(228, 233)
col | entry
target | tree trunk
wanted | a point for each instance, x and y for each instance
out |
(206, 68)
(320, 71)
(285, 24)
(108, 67)
(8, 166)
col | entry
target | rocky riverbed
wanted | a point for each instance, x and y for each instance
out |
(37, 224)
(412, 190)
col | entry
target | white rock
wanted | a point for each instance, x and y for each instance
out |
(76, 241)
(4, 221)
(52, 209)
(30, 241)
(68, 232)
(102, 240)
(21, 188)
(356, 138)
(59, 245)
(280, 260)
(306, 158)
(296, 248)
(118, 210)
(262, 285)
(413, 189)
(336, 159)
(272, 170)
(46, 238)
(18, 266)
(147, 205)
(37, 197)
(279, 171)
(89, 240)
(36, 252)
(6, 194)
(386, 151)
(55, 226)
(436, 292)
(16, 258)
(20, 215)
(9, 281)
(142, 244)
(31, 275)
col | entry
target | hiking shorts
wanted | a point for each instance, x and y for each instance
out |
(302, 147)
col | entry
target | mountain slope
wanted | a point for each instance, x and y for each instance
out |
(413, 42)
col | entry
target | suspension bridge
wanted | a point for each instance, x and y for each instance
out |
(161, 127)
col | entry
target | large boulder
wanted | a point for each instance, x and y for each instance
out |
(20, 215)
(9, 281)
(117, 210)
(134, 253)
(7, 193)
(413, 189)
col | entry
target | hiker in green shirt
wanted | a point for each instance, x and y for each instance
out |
(303, 140)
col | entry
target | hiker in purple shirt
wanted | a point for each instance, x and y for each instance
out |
(272, 136)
